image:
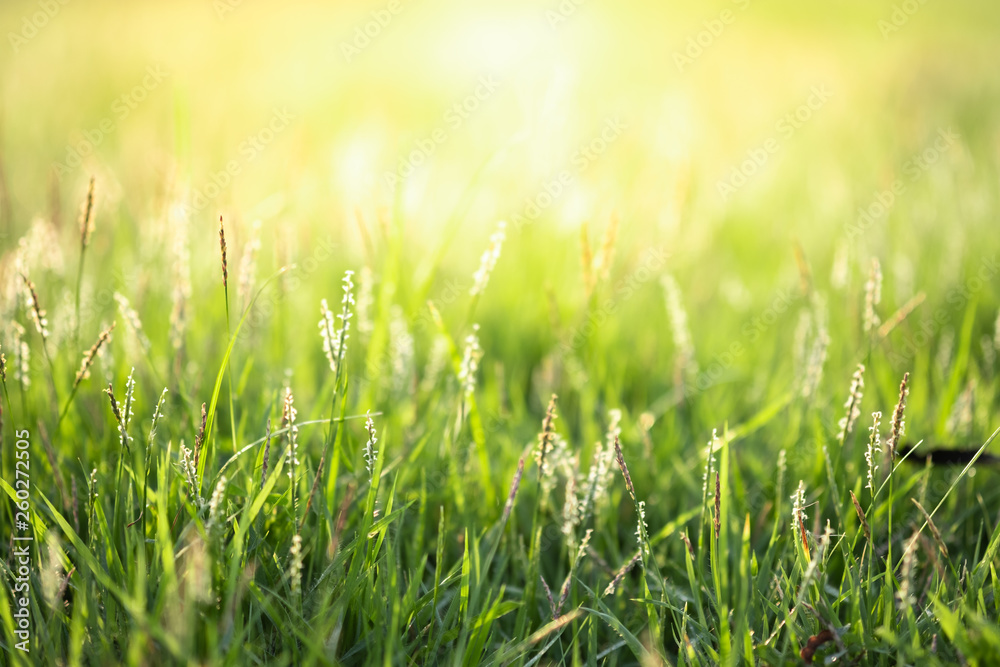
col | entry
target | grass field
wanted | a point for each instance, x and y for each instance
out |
(533, 333)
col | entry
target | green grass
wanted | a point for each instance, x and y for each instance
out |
(700, 350)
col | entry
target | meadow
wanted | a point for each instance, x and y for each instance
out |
(417, 333)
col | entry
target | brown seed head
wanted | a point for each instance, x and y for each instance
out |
(87, 216)
(200, 439)
(513, 492)
(687, 542)
(718, 504)
(37, 312)
(267, 453)
(934, 529)
(114, 404)
(621, 464)
(91, 354)
(861, 517)
(222, 246)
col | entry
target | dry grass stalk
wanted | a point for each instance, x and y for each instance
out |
(91, 354)
(547, 436)
(687, 543)
(509, 506)
(896, 318)
(87, 216)
(315, 485)
(873, 295)
(114, 403)
(621, 464)
(489, 259)
(621, 574)
(853, 403)
(222, 247)
(861, 516)
(898, 422)
(934, 529)
(267, 453)
(805, 274)
(37, 312)
(200, 438)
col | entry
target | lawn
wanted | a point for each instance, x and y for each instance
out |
(415, 333)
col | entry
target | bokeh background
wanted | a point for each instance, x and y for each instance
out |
(695, 92)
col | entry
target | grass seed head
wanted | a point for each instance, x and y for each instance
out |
(91, 354)
(853, 403)
(621, 574)
(799, 506)
(546, 437)
(215, 504)
(489, 259)
(514, 486)
(36, 310)
(624, 468)
(267, 454)
(200, 438)
(685, 365)
(874, 448)
(718, 504)
(222, 247)
(815, 358)
(898, 422)
(288, 414)
(132, 321)
(873, 295)
(935, 533)
(642, 526)
(87, 216)
(861, 516)
(470, 362)
(295, 565)
(371, 453)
